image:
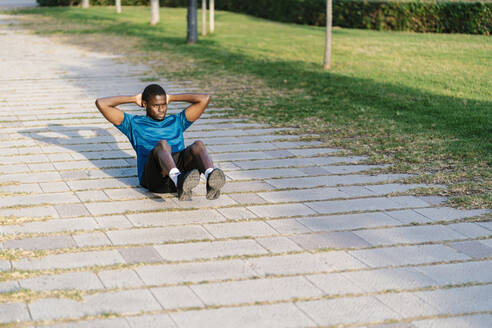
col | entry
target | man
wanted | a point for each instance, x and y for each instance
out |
(164, 164)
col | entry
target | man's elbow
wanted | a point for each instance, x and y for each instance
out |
(208, 99)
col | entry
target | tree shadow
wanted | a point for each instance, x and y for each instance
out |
(98, 147)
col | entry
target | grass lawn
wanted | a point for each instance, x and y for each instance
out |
(420, 101)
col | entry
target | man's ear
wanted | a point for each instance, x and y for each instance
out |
(144, 104)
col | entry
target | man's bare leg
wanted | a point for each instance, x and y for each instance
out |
(185, 181)
(199, 159)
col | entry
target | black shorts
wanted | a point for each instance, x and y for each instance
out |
(152, 178)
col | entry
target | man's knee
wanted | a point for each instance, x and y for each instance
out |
(198, 147)
(163, 146)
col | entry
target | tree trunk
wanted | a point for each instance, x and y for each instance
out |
(327, 61)
(212, 16)
(154, 12)
(85, 3)
(192, 35)
(204, 17)
(118, 6)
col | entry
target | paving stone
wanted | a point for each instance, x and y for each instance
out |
(407, 304)
(347, 310)
(389, 279)
(114, 221)
(120, 279)
(5, 265)
(172, 218)
(314, 170)
(278, 244)
(310, 182)
(194, 272)
(486, 224)
(239, 229)
(247, 199)
(472, 248)
(469, 229)
(334, 283)
(448, 213)
(70, 260)
(23, 188)
(130, 301)
(408, 216)
(331, 240)
(71, 280)
(71, 210)
(407, 255)
(236, 213)
(389, 188)
(406, 235)
(115, 207)
(102, 184)
(249, 186)
(151, 321)
(201, 202)
(54, 186)
(468, 321)
(29, 177)
(486, 242)
(157, 235)
(91, 239)
(256, 290)
(200, 250)
(315, 161)
(275, 315)
(288, 226)
(51, 242)
(9, 286)
(348, 221)
(458, 273)
(13, 312)
(283, 210)
(265, 174)
(128, 193)
(302, 195)
(32, 212)
(459, 300)
(140, 255)
(176, 297)
(304, 263)
(93, 195)
(364, 204)
(53, 198)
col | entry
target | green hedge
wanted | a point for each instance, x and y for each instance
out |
(440, 17)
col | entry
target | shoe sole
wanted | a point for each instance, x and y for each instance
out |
(190, 182)
(216, 180)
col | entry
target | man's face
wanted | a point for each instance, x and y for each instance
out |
(156, 107)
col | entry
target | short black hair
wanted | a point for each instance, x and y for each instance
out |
(152, 90)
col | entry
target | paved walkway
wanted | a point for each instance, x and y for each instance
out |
(300, 237)
(12, 4)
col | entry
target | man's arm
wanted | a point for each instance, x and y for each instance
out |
(107, 106)
(198, 103)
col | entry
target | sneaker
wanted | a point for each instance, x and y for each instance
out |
(186, 182)
(215, 181)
